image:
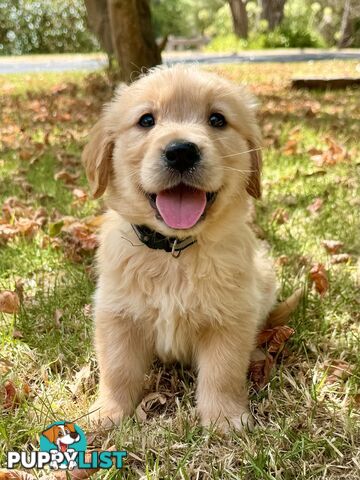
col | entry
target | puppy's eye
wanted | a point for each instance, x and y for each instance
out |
(217, 120)
(60, 434)
(147, 120)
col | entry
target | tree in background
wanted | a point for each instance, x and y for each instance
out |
(124, 27)
(99, 23)
(350, 24)
(240, 18)
(272, 12)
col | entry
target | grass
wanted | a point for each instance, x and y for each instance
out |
(307, 416)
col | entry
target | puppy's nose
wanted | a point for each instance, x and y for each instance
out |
(181, 155)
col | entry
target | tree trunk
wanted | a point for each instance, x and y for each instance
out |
(346, 32)
(273, 12)
(132, 36)
(99, 23)
(240, 18)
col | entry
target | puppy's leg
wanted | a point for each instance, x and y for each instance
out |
(124, 353)
(223, 357)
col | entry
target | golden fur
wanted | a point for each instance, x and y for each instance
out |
(206, 306)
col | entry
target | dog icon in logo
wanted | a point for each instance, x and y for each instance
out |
(62, 436)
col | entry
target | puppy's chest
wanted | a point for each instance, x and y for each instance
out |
(185, 301)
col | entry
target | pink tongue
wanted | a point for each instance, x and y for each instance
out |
(63, 447)
(181, 206)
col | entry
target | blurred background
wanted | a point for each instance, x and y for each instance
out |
(134, 33)
(59, 63)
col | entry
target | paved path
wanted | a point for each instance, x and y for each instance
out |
(58, 63)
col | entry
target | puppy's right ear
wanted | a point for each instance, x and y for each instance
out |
(97, 157)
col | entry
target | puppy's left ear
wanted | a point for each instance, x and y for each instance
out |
(97, 157)
(51, 433)
(254, 183)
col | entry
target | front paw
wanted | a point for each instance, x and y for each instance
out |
(224, 420)
(105, 414)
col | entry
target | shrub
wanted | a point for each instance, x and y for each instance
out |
(44, 26)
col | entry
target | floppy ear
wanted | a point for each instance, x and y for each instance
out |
(51, 434)
(70, 426)
(97, 157)
(254, 186)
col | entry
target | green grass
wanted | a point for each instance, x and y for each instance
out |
(307, 428)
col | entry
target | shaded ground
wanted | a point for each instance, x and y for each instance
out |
(308, 414)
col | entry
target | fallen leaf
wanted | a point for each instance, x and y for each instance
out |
(10, 399)
(6, 474)
(332, 246)
(334, 153)
(260, 371)
(314, 207)
(338, 370)
(290, 147)
(9, 302)
(275, 338)
(340, 258)
(281, 313)
(80, 195)
(318, 276)
(66, 177)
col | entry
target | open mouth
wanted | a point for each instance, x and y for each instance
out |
(181, 207)
(63, 447)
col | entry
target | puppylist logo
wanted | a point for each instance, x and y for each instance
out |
(63, 446)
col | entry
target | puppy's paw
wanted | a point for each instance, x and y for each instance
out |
(105, 414)
(223, 422)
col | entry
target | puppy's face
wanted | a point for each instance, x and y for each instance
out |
(175, 149)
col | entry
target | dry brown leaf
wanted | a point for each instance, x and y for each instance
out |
(275, 338)
(9, 302)
(290, 147)
(79, 195)
(318, 276)
(338, 370)
(10, 395)
(260, 371)
(281, 313)
(332, 246)
(6, 474)
(314, 207)
(340, 258)
(334, 153)
(67, 177)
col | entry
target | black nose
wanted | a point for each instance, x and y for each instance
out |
(181, 155)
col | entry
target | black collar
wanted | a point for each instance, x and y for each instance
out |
(157, 241)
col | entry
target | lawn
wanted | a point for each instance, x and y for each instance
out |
(308, 423)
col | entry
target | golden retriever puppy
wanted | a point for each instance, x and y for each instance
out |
(181, 275)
